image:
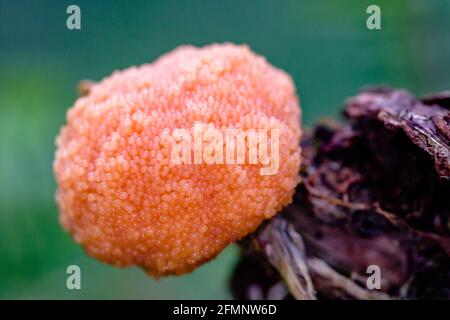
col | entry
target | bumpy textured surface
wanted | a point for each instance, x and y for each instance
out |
(122, 197)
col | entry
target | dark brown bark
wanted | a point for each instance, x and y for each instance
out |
(374, 191)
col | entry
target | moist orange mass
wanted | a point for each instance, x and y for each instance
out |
(123, 198)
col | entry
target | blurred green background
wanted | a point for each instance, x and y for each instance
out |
(325, 45)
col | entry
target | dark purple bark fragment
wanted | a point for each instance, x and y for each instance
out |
(374, 191)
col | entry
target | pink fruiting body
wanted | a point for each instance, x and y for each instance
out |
(121, 196)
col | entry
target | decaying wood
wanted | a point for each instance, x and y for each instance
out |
(284, 249)
(374, 192)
